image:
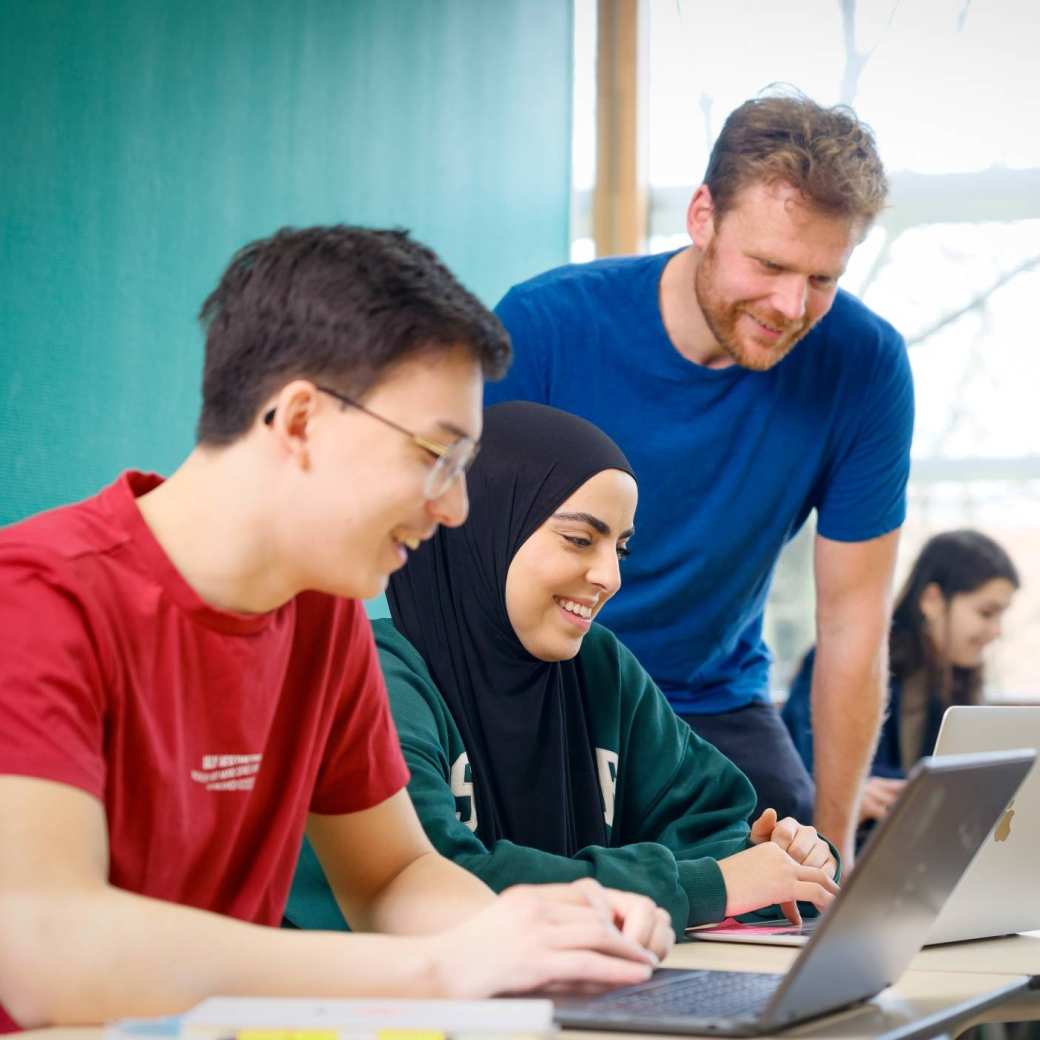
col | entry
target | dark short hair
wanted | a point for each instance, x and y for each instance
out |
(782, 136)
(956, 562)
(341, 304)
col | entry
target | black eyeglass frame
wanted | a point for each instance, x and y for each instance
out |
(443, 474)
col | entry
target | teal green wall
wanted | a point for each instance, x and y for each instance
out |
(143, 141)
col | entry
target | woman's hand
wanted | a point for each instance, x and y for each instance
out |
(798, 840)
(766, 874)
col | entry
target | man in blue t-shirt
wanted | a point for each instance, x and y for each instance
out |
(687, 359)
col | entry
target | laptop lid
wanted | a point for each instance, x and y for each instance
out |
(906, 872)
(997, 893)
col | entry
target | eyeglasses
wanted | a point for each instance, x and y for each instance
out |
(452, 460)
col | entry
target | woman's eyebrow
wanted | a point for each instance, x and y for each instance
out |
(585, 518)
(593, 522)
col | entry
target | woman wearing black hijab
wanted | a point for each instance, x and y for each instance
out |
(540, 750)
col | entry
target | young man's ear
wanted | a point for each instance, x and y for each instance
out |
(294, 409)
(700, 218)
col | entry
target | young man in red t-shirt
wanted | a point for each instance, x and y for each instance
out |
(188, 680)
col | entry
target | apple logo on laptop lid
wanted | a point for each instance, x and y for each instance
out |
(1002, 831)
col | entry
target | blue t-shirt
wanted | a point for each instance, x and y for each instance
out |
(730, 462)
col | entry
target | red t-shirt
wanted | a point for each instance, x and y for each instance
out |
(207, 735)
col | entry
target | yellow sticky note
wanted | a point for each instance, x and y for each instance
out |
(409, 1034)
(287, 1034)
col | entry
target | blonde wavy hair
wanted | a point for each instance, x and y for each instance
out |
(782, 136)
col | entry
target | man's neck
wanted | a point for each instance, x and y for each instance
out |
(214, 526)
(682, 316)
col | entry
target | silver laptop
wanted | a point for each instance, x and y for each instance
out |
(997, 894)
(868, 936)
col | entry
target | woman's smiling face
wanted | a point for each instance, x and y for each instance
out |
(562, 575)
(962, 627)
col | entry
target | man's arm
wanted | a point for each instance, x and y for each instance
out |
(401, 884)
(853, 604)
(429, 893)
(74, 949)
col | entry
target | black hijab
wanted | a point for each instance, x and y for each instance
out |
(522, 720)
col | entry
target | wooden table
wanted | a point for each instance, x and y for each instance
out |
(946, 990)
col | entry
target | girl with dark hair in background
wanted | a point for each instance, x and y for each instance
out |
(949, 610)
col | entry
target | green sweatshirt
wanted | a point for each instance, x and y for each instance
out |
(673, 805)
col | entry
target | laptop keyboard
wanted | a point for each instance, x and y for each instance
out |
(704, 994)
